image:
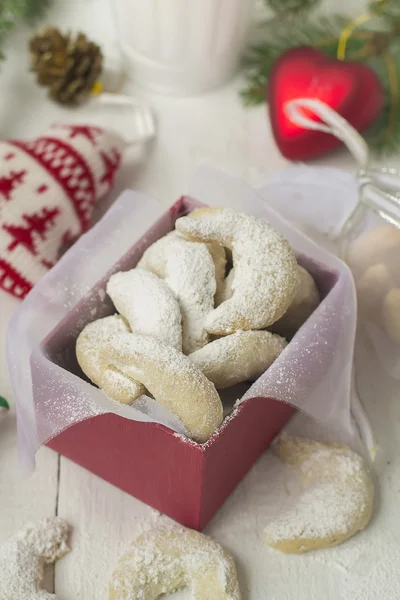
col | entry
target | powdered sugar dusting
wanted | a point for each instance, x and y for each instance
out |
(191, 276)
(338, 503)
(304, 303)
(88, 346)
(218, 255)
(264, 263)
(225, 289)
(171, 378)
(164, 560)
(148, 304)
(238, 357)
(22, 558)
(189, 271)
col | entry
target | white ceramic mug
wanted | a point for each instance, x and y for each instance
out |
(182, 47)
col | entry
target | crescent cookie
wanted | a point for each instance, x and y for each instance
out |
(337, 504)
(189, 271)
(164, 560)
(372, 247)
(372, 287)
(148, 304)
(225, 290)
(24, 556)
(304, 303)
(391, 314)
(238, 357)
(264, 263)
(172, 379)
(114, 384)
(218, 255)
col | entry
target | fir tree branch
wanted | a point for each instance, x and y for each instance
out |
(384, 135)
(289, 9)
(34, 9)
(390, 12)
(13, 12)
(4, 403)
(376, 45)
(321, 33)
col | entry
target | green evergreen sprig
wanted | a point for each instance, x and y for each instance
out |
(289, 9)
(35, 9)
(4, 403)
(322, 33)
(375, 44)
(14, 12)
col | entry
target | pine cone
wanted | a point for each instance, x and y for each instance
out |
(68, 66)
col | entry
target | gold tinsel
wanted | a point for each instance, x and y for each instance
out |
(69, 66)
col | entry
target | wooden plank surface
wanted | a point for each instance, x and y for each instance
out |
(21, 500)
(103, 518)
(24, 500)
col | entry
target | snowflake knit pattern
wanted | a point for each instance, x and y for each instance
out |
(48, 188)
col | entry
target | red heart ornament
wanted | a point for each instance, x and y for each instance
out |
(352, 89)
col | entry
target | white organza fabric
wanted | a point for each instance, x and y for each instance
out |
(359, 218)
(314, 373)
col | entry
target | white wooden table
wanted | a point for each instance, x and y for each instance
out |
(103, 518)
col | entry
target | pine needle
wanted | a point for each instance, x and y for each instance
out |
(34, 9)
(13, 12)
(321, 33)
(292, 8)
(384, 135)
(369, 45)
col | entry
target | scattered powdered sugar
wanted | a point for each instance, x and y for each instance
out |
(164, 560)
(337, 504)
(265, 268)
(148, 304)
(324, 512)
(61, 406)
(22, 558)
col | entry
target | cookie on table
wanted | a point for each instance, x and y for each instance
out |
(336, 504)
(24, 556)
(164, 560)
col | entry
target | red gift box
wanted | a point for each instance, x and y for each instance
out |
(181, 478)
